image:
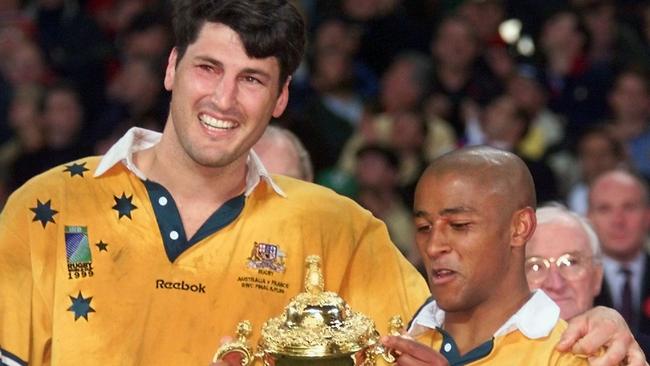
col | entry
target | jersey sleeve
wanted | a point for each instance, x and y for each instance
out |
(23, 323)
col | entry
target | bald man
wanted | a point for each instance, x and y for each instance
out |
(282, 153)
(620, 212)
(474, 212)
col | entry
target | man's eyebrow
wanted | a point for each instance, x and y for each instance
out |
(419, 213)
(209, 59)
(258, 72)
(247, 70)
(446, 211)
(456, 210)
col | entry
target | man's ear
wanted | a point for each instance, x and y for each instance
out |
(170, 71)
(523, 226)
(283, 99)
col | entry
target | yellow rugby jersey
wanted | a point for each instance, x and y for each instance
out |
(96, 270)
(528, 338)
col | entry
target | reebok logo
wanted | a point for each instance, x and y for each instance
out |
(200, 288)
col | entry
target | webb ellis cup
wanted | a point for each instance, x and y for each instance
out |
(317, 328)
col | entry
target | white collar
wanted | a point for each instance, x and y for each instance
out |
(137, 139)
(535, 319)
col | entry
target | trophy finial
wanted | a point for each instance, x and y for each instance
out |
(314, 283)
(244, 330)
(395, 325)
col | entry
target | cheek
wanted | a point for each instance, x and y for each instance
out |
(532, 285)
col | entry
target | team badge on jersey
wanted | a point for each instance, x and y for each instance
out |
(77, 251)
(267, 256)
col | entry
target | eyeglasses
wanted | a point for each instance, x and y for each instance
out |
(572, 266)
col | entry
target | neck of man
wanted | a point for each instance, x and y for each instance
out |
(472, 327)
(626, 256)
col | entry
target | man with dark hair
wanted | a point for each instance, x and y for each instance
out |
(153, 252)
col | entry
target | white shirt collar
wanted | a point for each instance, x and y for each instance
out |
(137, 139)
(535, 319)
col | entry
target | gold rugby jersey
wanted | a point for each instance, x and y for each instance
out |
(528, 338)
(97, 270)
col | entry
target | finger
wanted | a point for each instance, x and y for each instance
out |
(414, 349)
(591, 343)
(635, 356)
(614, 354)
(577, 328)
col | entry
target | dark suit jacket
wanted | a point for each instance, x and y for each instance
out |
(643, 314)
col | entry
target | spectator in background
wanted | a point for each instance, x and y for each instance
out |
(386, 30)
(27, 130)
(408, 138)
(134, 99)
(527, 89)
(597, 152)
(460, 75)
(377, 173)
(62, 121)
(620, 212)
(503, 125)
(25, 65)
(629, 100)
(281, 152)
(613, 44)
(485, 16)
(334, 105)
(114, 16)
(403, 91)
(75, 48)
(563, 258)
(147, 35)
(333, 34)
(577, 86)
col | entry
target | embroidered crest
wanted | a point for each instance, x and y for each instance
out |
(77, 252)
(267, 256)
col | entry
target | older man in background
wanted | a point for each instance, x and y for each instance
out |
(563, 259)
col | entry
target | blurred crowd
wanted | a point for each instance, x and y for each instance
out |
(386, 86)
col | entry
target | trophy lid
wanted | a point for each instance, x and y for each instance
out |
(317, 324)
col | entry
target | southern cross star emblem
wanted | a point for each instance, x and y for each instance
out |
(103, 247)
(43, 212)
(81, 306)
(124, 206)
(76, 169)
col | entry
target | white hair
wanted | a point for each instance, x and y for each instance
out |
(554, 212)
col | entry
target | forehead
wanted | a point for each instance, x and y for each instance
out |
(453, 189)
(616, 189)
(552, 239)
(219, 42)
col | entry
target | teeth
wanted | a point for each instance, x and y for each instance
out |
(442, 272)
(216, 123)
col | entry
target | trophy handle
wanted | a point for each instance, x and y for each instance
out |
(395, 328)
(240, 345)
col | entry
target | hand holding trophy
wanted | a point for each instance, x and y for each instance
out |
(317, 328)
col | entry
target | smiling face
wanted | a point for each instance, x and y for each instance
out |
(222, 99)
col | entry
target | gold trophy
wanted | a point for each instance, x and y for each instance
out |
(317, 328)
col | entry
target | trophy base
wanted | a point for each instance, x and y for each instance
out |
(289, 361)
